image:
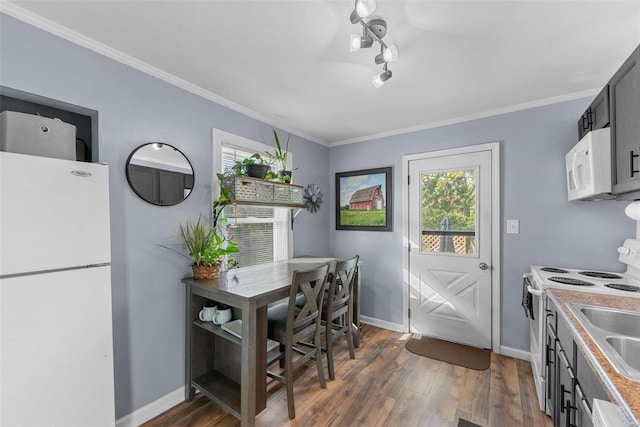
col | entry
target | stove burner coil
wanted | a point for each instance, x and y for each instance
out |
(600, 275)
(570, 281)
(623, 287)
(554, 270)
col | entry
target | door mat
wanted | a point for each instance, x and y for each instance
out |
(465, 423)
(450, 352)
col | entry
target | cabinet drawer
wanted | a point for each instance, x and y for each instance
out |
(551, 314)
(565, 339)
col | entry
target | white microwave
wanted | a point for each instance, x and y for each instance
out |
(589, 167)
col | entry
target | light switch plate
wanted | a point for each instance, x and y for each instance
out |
(513, 226)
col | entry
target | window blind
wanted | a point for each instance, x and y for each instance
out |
(261, 233)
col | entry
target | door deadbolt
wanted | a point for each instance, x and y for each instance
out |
(483, 266)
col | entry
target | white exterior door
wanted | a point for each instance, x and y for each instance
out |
(450, 256)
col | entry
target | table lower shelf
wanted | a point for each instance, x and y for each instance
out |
(220, 389)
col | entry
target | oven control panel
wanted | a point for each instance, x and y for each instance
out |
(629, 253)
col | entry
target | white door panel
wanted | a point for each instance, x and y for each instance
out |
(450, 295)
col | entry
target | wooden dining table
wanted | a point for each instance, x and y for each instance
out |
(229, 370)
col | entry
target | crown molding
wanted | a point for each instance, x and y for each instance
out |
(49, 26)
(483, 115)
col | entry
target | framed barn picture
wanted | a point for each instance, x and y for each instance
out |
(364, 200)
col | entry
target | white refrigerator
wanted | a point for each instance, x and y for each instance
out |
(56, 339)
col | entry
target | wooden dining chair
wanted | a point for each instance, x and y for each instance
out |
(289, 325)
(337, 312)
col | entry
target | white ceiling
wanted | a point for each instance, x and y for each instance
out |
(288, 62)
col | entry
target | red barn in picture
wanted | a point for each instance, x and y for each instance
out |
(367, 199)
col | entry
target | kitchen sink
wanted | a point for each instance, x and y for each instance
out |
(628, 349)
(616, 321)
(617, 334)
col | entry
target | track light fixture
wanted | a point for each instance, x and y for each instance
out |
(380, 79)
(372, 30)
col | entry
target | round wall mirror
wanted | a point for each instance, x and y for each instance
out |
(160, 174)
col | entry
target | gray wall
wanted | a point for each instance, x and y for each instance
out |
(134, 108)
(553, 231)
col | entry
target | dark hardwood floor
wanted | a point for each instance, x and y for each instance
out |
(388, 386)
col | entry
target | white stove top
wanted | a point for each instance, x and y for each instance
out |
(542, 279)
(629, 255)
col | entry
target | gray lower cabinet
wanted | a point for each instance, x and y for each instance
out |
(624, 92)
(587, 388)
(572, 384)
(551, 346)
(565, 382)
(552, 382)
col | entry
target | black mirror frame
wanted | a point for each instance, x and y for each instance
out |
(137, 192)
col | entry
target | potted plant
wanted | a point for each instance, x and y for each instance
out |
(207, 248)
(255, 166)
(279, 157)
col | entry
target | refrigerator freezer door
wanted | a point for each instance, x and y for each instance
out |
(54, 214)
(56, 357)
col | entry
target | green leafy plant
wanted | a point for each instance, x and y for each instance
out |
(255, 159)
(271, 175)
(238, 168)
(204, 244)
(279, 156)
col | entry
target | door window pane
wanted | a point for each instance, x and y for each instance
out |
(448, 211)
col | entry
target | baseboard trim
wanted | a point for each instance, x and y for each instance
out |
(514, 352)
(381, 323)
(153, 409)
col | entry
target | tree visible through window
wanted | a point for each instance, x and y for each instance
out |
(448, 210)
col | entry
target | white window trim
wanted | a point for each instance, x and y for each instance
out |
(221, 138)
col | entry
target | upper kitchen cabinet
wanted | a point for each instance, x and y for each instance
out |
(624, 91)
(596, 116)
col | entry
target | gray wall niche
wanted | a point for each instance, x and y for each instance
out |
(84, 119)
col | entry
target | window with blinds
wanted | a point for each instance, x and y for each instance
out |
(261, 233)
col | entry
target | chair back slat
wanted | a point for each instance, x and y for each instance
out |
(311, 283)
(341, 286)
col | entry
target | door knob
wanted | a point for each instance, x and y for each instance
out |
(483, 266)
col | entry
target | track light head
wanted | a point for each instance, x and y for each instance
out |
(360, 42)
(380, 79)
(388, 54)
(363, 8)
